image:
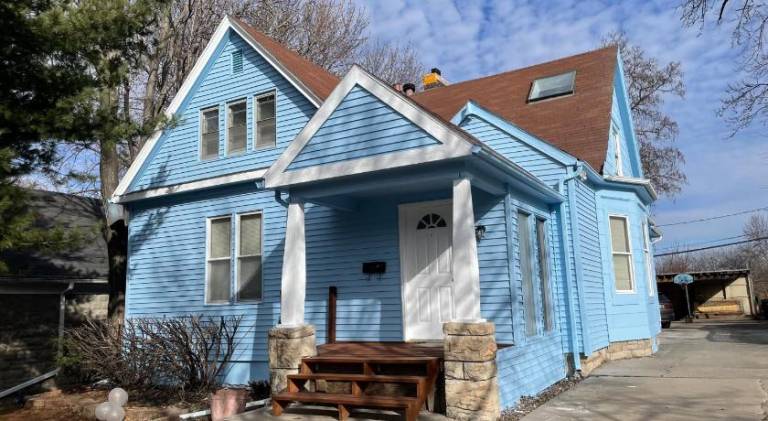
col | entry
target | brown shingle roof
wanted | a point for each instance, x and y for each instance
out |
(577, 123)
(320, 81)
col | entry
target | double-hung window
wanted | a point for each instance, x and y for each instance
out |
(236, 127)
(209, 133)
(246, 262)
(249, 257)
(265, 121)
(526, 272)
(621, 252)
(543, 262)
(219, 260)
(649, 273)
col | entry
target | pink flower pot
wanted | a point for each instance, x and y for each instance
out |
(228, 402)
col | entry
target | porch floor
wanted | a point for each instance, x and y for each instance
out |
(382, 349)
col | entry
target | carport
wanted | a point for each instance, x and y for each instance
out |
(713, 293)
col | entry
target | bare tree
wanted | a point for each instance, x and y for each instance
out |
(393, 63)
(746, 99)
(648, 83)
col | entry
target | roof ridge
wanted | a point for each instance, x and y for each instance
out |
(506, 72)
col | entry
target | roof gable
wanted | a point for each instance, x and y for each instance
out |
(578, 123)
(360, 103)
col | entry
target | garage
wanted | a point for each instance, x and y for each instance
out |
(712, 293)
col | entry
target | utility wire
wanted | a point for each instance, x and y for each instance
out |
(712, 217)
(711, 247)
(700, 243)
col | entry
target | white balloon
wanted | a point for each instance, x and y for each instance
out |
(115, 413)
(118, 396)
(102, 409)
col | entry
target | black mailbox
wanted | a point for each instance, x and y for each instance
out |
(374, 267)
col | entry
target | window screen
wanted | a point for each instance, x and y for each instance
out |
(265, 121)
(622, 256)
(543, 261)
(552, 86)
(249, 258)
(236, 128)
(209, 133)
(526, 271)
(219, 260)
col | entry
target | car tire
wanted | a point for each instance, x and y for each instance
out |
(666, 324)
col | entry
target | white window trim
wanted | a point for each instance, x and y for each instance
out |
(650, 276)
(237, 256)
(200, 130)
(617, 150)
(209, 259)
(256, 146)
(632, 290)
(226, 127)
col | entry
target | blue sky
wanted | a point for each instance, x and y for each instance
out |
(469, 39)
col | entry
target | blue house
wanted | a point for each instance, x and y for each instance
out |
(512, 208)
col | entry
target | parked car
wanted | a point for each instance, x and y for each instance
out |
(667, 311)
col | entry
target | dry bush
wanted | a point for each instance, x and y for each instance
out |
(182, 357)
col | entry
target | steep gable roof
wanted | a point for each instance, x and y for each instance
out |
(577, 123)
(320, 81)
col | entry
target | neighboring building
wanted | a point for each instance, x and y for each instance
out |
(518, 199)
(42, 293)
(712, 293)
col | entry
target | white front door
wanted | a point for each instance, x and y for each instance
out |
(425, 256)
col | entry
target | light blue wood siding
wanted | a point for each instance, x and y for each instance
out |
(592, 267)
(362, 125)
(176, 158)
(532, 160)
(529, 369)
(627, 313)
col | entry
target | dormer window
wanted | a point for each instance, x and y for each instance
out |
(616, 135)
(552, 86)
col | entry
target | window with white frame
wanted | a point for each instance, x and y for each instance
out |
(236, 127)
(649, 273)
(552, 86)
(621, 252)
(219, 260)
(249, 249)
(543, 262)
(265, 127)
(209, 133)
(617, 150)
(526, 272)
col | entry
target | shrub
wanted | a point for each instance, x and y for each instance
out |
(183, 356)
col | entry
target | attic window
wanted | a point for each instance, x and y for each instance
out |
(237, 61)
(553, 86)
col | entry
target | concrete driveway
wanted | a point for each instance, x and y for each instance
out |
(703, 371)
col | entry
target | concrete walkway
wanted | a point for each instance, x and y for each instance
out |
(703, 371)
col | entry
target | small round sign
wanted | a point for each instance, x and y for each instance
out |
(683, 279)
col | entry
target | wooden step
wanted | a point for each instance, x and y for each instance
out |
(346, 359)
(402, 404)
(363, 378)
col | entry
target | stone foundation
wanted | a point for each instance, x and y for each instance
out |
(287, 346)
(621, 350)
(471, 385)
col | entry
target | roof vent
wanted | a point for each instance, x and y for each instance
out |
(433, 79)
(237, 61)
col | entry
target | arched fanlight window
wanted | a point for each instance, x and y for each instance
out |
(431, 220)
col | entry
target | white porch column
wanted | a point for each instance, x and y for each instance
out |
(294, 280)
(466, 270)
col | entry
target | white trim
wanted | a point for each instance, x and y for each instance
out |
(189, 82)
(208, 258)
(273, 93)
(191, 186)
(629, 253)
(237, 256)
(402, 228)
(453, 144)
(227, 117)
(293, 284)
(465, 266)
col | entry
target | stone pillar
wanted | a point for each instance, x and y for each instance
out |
(287, 346)
(471, 385)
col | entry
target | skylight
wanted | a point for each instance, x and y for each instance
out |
(549, 87)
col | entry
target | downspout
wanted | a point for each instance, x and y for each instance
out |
(62, 312)
(566, 250)
(570, 184)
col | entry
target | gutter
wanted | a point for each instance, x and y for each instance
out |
(62, 312)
